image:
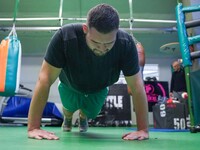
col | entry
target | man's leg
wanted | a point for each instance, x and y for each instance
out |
(69, 99)
(82, 115)
(67, 114)
(83, 122)
(67, 123)
(90, 107)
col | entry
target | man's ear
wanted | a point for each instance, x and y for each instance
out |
(85, 28)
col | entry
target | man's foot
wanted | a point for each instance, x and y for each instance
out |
(67, 125)
(83, 124)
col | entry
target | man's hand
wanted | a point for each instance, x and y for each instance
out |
(138, 135)
(42, 134)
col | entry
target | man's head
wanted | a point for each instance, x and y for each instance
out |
(104, 18)
(176, 66)
(101, 28)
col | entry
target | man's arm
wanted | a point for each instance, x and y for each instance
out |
(48, 74)
(136, 85)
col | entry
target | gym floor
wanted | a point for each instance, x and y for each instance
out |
(97, 138)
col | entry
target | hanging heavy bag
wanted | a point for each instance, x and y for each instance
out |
(10, 64)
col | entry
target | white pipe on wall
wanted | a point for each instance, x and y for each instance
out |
(84, 19)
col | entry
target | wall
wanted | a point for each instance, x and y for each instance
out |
(29, 75)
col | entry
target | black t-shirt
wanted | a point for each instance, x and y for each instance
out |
(82, 70)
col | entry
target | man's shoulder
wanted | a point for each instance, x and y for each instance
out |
(71, 26)
(70, 31)
(122, 33)
(124, 36)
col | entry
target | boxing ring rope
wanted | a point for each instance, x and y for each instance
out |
(185, 42)
(193, 23)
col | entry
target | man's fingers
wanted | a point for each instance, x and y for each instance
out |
(141, 138)
(129, 137)
(138, 135)
(38, 137)
(135, 138)
(125, 135)
(41, 134)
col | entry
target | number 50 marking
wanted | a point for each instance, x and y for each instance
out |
(179, 123)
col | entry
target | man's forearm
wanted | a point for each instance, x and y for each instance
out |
(37, 105)
(141, 110)
(142, 119)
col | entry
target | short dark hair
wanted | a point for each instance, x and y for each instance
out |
(104, 18)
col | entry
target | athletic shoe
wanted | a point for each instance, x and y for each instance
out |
(83, 124)
(67, 125)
